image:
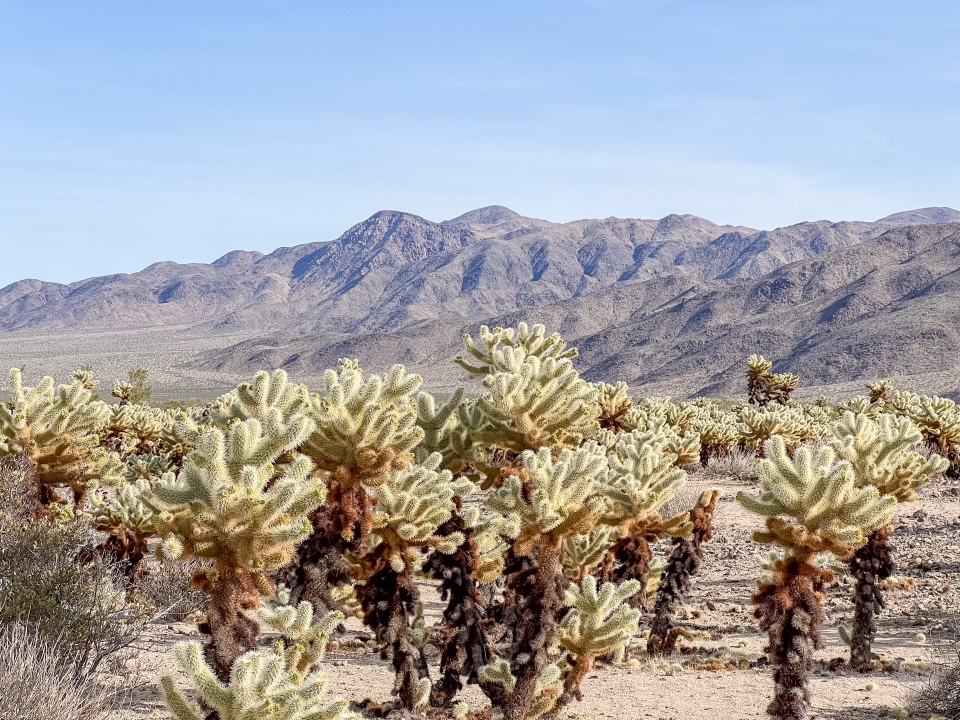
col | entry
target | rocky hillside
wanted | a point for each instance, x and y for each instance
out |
(671, 303)
(887, 306)
(396, 268)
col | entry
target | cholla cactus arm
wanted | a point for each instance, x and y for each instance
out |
(878, 452)
(259, 687)
(253, 400)
(581, 553)
(58, 429)
(364, 428)
(534, 402)
(450, 429)
(534, 341)
(812, 504)
(412, 505)
(598, 622)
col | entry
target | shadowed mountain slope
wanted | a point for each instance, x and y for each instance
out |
(887, 306)
(675, 303)
(396, 268)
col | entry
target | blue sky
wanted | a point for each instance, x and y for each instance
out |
(132, 132)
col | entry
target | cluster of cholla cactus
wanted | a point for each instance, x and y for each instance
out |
(764, 386)
(811, 505)
(57, 428)
(537, 505)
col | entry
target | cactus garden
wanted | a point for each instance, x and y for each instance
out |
(532, 545)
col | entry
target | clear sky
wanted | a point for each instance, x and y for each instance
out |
(132, 132)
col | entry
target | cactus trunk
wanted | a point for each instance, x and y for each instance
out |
(869, 565)
(390, 603)
(789, 610)
(537, 605)
(684, 563)
(467, 647)
(231, 632)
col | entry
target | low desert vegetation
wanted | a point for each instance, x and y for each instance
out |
(539, 506)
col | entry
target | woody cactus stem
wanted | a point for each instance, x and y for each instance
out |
(467, 647)
(538, 595)
(390, 601)
(789, 611)
(684, 563)
(869, 565)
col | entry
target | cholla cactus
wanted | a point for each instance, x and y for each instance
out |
(718, 436)
(685, 561)
(880, 391)
(811, 505)
(599, 622)
(641, 480)
(787, 423)
(764, 386)
(254, 400)
(57, 429)
(939, 422)
(615, 403)
(532, 402)
(259, 687)
(128, 522)
(878, 451)
(411, 507)
(228, 505)
(149, 465)
(365, 430)
(533, 341)
(134, 429)
(303, 642)
(553, 497)
(498, 680)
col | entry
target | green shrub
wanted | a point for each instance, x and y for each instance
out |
(52, 582)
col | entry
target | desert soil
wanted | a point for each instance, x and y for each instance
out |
(719, 674)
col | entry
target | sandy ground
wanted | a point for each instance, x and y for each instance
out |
(924, 600)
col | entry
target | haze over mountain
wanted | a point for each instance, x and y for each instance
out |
(678, 299)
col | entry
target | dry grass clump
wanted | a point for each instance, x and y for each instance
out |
(35, 684)
(736, 463)
(169, 587)
(940, 696)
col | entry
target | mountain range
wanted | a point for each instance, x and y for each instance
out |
(675, 303)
